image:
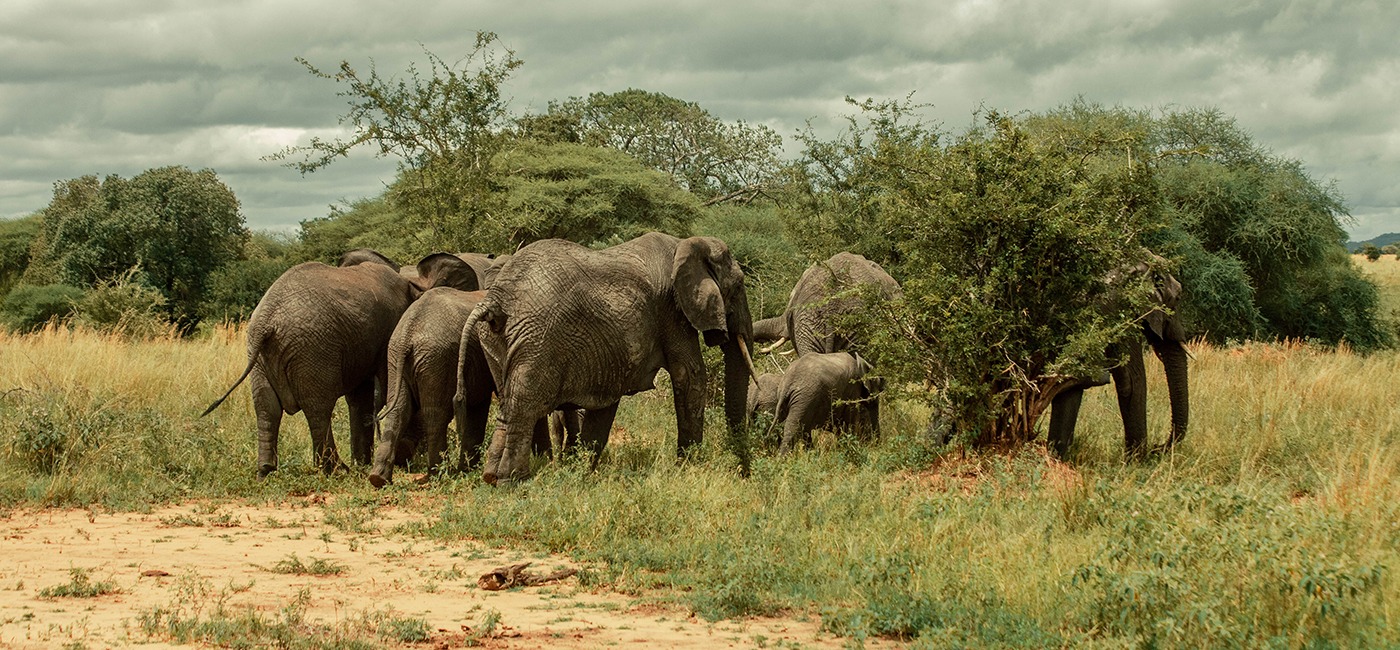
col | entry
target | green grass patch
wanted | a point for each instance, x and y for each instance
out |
(316, 567)
(80, 585)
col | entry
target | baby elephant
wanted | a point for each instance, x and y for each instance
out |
(831, 388)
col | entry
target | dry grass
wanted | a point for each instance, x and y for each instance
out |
(1276, 522)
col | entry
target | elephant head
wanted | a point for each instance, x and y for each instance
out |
(366, 255)
(444, 270)
(709, 288)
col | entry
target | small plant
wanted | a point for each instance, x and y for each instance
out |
(79, 585)
(484, 629)
(318, 566)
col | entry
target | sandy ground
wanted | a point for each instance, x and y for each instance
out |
(227, 553)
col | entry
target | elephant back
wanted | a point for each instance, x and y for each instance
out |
(815, 308)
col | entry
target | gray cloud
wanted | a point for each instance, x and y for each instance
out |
(100, 88)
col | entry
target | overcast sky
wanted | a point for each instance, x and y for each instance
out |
(117, 87)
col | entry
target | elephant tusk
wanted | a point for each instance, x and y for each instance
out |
(785, 353)
(779, 343)
(748, 360)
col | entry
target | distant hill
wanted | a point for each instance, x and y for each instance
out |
(1379, 241)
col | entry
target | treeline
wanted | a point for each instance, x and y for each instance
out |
(1034, 204)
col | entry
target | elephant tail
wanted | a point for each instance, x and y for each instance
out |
(464, 348)
(400, 369)
(780, 412)
(255, 345)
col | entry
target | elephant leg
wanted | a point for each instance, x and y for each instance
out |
(540, 444)
(597, 426)
(409, 440)
(318, 420)
(360, 403)
(433, 419)
(565, 425)
(471, 432)
(1064, 415)
(269, 413)
(804, 414)
(396, 445)
(1130, 380)
(688, 390)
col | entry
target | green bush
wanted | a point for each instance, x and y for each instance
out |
(235, 288)
(123, 305)
(28, 307)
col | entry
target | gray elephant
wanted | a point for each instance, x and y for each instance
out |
(834, 389)
(486, 265)
(565, 326)
(1164, 332)
(322, 332)
(814, 309)
(432, 379)
(763, 395)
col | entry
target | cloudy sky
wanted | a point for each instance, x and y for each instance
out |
(104, 87)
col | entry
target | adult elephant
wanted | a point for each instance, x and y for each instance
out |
(1163, 331)
(322, 332)
(432, 379)
(565, 326)
(828, 388)
(817, 304)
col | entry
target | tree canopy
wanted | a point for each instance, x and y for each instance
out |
(174, 224)
(444, 127)
(716, 160)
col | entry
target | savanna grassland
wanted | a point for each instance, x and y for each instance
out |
(1275, 524)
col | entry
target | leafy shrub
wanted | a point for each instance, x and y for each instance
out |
(51, 431)
(28, 307)
(235, 288)
(1216, 567)
(125, 306)
(1371, 252)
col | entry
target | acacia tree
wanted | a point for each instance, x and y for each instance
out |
(175, 224)
(1004, 243)
(444, 127)
(716, 160)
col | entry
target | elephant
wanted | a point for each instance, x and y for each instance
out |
(322, 332)
(1163, 331)
(821, 388)
(763, 395)
(814, 309)
(432, 378)
(486, 265)
(565, 326)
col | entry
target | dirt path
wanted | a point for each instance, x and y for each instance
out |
(231, 554)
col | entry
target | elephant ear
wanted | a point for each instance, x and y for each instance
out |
(697, 291)
(1166, 292)
(445, 270)
(367, 256)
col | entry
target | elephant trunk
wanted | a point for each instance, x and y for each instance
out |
(1173, 356)
(770, 329)
(738, 369)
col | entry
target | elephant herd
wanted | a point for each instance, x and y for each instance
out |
(562, 332)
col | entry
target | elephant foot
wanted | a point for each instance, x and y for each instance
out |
(423, 479)
(490, 478)
(379, 481)
(265, 469)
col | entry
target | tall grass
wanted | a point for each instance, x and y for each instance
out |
(1275, 523)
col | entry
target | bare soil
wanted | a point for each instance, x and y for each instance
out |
(197, 555)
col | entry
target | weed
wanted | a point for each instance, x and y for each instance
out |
(79, 585)
(318, 566)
